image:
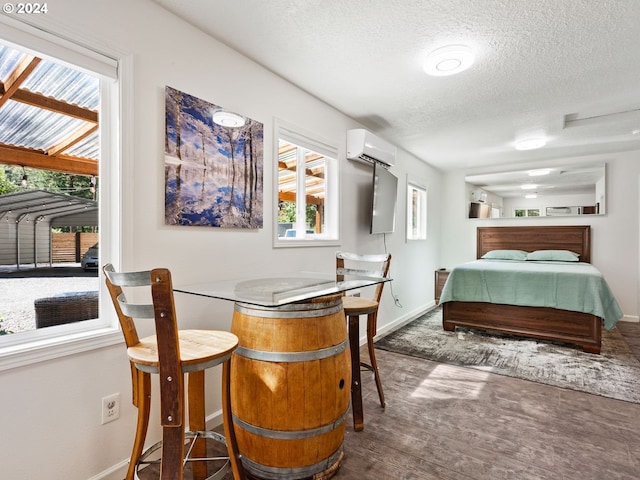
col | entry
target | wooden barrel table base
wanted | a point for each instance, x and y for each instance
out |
(320, 471)
(290, 388)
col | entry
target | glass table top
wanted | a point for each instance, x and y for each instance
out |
(276, 290)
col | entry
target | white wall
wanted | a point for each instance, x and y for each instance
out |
(614, 235)
(51, 410)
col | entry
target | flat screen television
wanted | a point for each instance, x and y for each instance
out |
(384, 197)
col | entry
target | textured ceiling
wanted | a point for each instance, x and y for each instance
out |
(537, 63)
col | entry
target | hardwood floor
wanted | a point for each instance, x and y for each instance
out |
(447, 422)
(453, 423)
(631, 333)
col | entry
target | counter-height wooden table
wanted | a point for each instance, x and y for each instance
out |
(291, 372)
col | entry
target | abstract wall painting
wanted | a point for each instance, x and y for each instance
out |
(213, 173)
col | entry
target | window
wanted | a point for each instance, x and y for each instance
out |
(306, 209)
(526, 212)
(69, 95)
(416, 212)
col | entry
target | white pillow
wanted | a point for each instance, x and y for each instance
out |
(505, 255)
(554, 255)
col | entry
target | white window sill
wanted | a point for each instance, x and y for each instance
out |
(47, 349)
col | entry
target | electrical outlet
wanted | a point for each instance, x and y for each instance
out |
(110, 408)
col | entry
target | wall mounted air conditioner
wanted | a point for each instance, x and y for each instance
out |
(478, 195)
(364, 146)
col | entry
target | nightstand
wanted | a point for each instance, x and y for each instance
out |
(441, 278)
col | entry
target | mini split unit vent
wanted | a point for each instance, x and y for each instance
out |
(615, 118)
(364, 146)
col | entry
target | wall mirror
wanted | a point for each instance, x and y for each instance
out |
(569, 190)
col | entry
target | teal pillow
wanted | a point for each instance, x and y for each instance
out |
(554, 256)
(505, 255)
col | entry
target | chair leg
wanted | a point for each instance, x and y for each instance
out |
(356, 386)
(142, 400)
(227, 422)
(371, 332)
(197, 421)
(195, 387)
(172, 452)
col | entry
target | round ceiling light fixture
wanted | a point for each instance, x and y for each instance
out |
(531, 143)
(227, 119)
(449, 60)
(540, 172)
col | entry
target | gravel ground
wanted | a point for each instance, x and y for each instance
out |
(17, 294)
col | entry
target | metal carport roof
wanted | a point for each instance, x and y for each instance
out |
(58, 209)
(49, 114)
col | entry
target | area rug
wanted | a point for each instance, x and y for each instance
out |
(615, 373)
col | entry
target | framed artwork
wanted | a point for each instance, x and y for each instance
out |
(213, 165)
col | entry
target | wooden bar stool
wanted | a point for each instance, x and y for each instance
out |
(377, 266)
(171, 353)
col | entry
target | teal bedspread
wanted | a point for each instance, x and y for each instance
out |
(578, 286)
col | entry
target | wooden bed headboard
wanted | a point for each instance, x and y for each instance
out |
(576, 238)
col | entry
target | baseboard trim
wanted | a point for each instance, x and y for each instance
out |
(400, 321)
(116, 472)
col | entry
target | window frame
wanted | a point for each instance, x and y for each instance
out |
(301, 138)
(115, 73)
(527, 210)
(422, 214)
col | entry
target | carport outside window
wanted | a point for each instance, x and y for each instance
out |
(49, 192)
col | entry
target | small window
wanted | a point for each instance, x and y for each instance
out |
(526, 212)
(416, 212)
(307, 201)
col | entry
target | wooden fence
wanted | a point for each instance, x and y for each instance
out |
(69, 247)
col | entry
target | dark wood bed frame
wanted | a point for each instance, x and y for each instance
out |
(581, 329)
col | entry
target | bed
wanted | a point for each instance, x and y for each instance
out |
(544, 316)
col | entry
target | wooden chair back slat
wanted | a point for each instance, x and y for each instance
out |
(127, 323)
(359, 257)
(171, 377)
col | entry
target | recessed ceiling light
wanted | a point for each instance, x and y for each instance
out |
(635, 132)
(227, 119)
(531, 195)
(449, 60)
(530, 143)
(528, 186)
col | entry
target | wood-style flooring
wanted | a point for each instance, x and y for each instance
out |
(447, 422)
(453, 423)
